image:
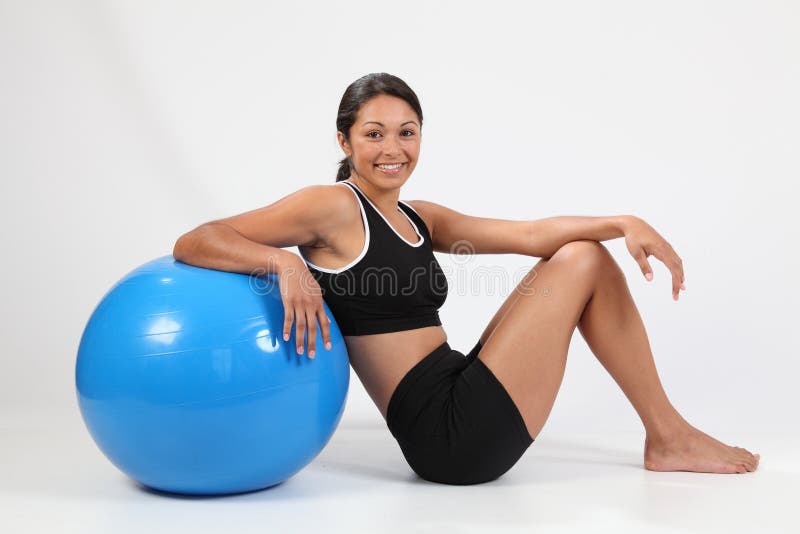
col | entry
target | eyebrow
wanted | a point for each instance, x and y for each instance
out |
(381, 124)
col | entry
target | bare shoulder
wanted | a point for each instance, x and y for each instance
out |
(337, 208)
(426, 210)
(338, 196)
(341, 212)
(451, 229)
(304, 218)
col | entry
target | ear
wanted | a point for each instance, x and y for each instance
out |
(343, 144)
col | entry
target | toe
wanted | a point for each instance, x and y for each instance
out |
(741, 468)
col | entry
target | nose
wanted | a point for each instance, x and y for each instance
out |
(391, 146)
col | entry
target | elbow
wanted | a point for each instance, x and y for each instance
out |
(185, 245)
(179, 249)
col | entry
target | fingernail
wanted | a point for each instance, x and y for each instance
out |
(683, 286)
(311, 354)
(649, 276)
(286, 337)
(300, 350)
(328, 345)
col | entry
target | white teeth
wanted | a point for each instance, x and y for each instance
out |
(391, 167)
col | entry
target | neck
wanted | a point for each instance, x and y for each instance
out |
(385, 199)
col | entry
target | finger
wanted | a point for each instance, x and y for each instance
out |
(644, 265)
(325, 324)
(676, 284)
(678, 276)
(300, 329)
(312, 333)
(288, 319)
(678, 264)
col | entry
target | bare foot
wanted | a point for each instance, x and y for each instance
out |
(689, 449)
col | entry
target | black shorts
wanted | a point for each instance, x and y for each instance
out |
(454, 420)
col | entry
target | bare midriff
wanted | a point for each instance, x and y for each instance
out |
(382, 360)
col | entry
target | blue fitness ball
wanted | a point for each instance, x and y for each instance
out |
(186, 384)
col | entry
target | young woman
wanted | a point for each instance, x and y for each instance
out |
(458, 419)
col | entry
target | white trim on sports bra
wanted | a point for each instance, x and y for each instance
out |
(406, 204)
(366, 241)
(409, 206)
(421, 237)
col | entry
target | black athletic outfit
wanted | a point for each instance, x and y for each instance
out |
(453, 419)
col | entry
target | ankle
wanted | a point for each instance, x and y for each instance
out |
(667, 429)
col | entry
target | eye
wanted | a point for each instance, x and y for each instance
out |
(410, 132)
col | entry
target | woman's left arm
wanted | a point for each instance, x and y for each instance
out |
(548, 235)
(455, 232)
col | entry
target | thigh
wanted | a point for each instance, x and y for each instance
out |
(510, 301)
(527, 350)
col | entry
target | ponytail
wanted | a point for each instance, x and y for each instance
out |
(344, 170)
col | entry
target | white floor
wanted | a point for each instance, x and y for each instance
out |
(54, 479)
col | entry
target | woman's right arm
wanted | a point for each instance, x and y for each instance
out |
(251, 243)
(218, 246)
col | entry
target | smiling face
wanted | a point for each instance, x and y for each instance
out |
(386, 132)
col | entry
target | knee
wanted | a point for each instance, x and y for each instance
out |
(588, 256)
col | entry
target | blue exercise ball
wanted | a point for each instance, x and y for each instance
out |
(185, 383)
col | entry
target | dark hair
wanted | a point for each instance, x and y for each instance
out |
(361, 91)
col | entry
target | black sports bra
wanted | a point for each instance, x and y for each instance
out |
(392, 285)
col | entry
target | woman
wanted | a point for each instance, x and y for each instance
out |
(458, 419)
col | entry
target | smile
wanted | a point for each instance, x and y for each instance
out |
(393, 168)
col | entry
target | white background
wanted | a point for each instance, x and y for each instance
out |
(125, 124)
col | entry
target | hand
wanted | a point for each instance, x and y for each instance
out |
(643, 241)
(303, 305)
